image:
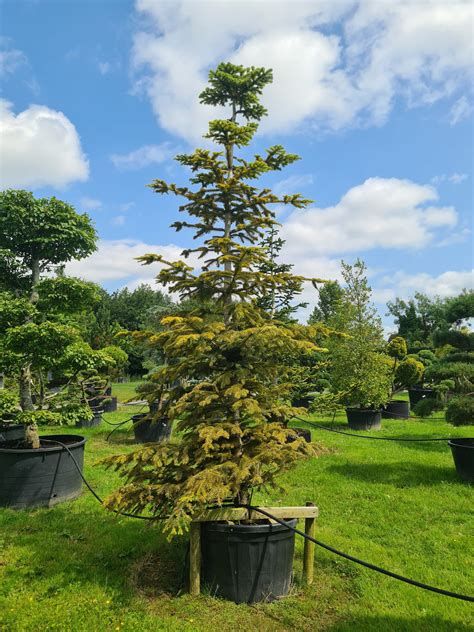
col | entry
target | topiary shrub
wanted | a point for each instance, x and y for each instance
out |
(460, 411)
(409, 372)
(397, 348)
(425, 407)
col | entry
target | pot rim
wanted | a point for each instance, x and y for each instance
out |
(455, 442)
(81, 440)
(251, 528)
(365, 410)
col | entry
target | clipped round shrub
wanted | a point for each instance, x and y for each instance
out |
(409, 372)
(425, 407)
(397, 348)
(460, 411)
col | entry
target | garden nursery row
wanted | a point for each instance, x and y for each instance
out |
(171, 415)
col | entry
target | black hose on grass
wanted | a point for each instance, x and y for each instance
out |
(351, 434)
(373, 567)
(412, 582)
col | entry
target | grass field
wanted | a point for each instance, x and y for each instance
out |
(77, 567)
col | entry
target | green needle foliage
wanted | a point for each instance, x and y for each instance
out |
(227, 358)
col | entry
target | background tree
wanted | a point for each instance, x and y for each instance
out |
(227, 357)
(360, 371)
(417, 319)
(281, 300)
(35, 236)
(330, 294)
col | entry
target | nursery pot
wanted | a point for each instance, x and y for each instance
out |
(247, 563)
(41, 477)
(396, 409)
(302, 402)
(463, 455)
(417, 394)
(364, 419)
(111, 405)
(91, 423)
(147, 431)
(301, 432)
(108, 391)
(12, 432)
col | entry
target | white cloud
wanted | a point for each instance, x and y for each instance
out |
(405, 285)
(104, 67)
(460, 110)
(336, 64)
(10, 60)
(126, 206)
(144, 156)
(118, 220)
(457, 178)
(114, 261)
(90, 204)
(454, 178)
(39, 147)
(379, 213)
(293, 184)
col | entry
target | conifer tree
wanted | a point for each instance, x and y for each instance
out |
(227, 357)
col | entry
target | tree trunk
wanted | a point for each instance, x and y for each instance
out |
(26, 401)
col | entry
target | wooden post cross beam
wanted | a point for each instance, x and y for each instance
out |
(308, 513)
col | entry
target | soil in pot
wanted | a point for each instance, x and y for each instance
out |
(463, 455)
(364, 419)
(42, 477)
(148, 431)
(12, 432)
(415, 395)
(301, 432)
(247, 563)
(396, 409)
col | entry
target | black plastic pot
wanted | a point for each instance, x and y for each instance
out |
(247, 563)
(110, 406)
(301, 432)
(43, 477)
(91, 423)
(364, 419)
(147, 431)
(396, 409)
(463, 455)
(415, 395)
(12, 432)
(108, 391)
(302, 402)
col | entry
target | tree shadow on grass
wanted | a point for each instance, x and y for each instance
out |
(397, 624)
(90, 546)
(401, 474)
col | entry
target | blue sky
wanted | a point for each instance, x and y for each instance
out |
(376, 98)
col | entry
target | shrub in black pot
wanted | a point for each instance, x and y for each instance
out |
(148, 430)
(227, 358)
(40, 477)
(360, 371)
(463, 455)
(396, 409)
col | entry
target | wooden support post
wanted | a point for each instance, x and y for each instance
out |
(195, 558)
(308, 551)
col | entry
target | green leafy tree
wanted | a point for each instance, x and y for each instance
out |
(281, 300)
(35, 236)
(360, 372)
(227, 358)
(417, 319)
(330, 295)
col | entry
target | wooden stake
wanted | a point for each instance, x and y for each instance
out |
(195, 558)
(308, 551)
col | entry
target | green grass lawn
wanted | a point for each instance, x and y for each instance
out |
(77, 567)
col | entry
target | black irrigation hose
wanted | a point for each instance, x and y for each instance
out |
(91, 489)
(373, 567)
(351, 434)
